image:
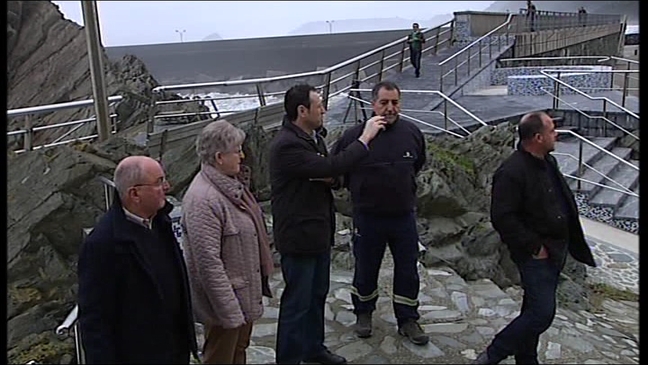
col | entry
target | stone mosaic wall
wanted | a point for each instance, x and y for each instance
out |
(529, 80)
(604, 215)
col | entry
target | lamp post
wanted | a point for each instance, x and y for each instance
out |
(181, 34)
(95, 56)
(330, 24)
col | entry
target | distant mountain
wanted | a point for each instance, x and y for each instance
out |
(366, 25)
(629, 8)
(213, 37)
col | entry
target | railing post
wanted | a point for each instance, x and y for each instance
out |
(580, 163)
(259, 89)
(108, 196)
(445, 113)
(402, 59)
(327, 89)
(78, 344)
(468, 73)
(605, 115)
(455, 70)
(557, 92)
(382, 65)
(625, 85)
(28, 136)
(441, 78)
(436, 42)
(150, 127)
(480, 52)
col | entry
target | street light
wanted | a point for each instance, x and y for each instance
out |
(330, 24)
(181, 34)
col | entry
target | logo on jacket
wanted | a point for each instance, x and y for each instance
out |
(408, 155)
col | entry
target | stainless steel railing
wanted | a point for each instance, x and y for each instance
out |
(70, 326)
(605, 100)
(468, 49)
(622, 189)
(446, 100)
(590, 117)
(337, 79)
(28, 113)
(548, 20)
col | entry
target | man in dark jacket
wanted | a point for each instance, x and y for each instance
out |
(535, 214)
(383, 193)
(416, 39)
(303, 221)
(134, 305)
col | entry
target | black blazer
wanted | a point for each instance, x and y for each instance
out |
(302, 208)
(526, 209)
(123, 314)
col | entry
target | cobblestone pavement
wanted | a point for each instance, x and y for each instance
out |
(461, 318)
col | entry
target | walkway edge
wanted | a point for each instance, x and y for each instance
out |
(610, 235)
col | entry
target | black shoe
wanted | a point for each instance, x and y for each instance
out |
(363, 325)
(414, 333)
(326, 357)
(482, 359)
(418, 75)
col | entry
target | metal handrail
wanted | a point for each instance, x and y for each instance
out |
(626, 190)
(600, 185)
(469, 47)
(594, 98)
(35, 110)
(412, 118)
(591, 116)
(443, 96)
(293, 76)
(508, 21)
(583, 139)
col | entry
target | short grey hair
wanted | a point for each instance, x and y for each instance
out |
(127, 175)
(219, 136)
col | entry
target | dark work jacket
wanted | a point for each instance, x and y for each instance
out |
(526, 210)
(384, 183)
(123, 312)
(302, 208)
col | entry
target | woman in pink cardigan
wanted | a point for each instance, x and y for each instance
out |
(226, 246)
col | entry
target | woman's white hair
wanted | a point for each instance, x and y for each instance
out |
(219, 136)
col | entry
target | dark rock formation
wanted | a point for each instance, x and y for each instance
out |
(47, 62)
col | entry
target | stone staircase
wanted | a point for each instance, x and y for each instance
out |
(595, 202)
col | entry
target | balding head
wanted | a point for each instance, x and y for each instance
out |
(141, 184)
(537, 133)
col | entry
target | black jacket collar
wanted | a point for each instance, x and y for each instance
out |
(538, 163)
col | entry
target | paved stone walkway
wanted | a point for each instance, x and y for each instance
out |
(461, 318)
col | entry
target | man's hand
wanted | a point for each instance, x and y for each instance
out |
(542, 254)
(371, 129)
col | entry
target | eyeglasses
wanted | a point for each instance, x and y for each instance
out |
(160, 182)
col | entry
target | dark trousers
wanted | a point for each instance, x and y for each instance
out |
(372, 235)
(300, 332)
(539, 280)
(415, 58)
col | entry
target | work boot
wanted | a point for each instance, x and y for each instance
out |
(414, 333)
(363, 325)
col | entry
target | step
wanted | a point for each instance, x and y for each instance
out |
(605, 165)
(624, 175)
(569, 165)
(629, 209)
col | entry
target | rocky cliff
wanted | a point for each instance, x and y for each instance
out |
(47, 62)
(53, 193)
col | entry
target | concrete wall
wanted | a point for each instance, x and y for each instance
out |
(248, 58)
(597, 40)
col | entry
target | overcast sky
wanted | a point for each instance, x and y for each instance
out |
(147, 22)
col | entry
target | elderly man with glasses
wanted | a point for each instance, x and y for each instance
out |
(134, 301)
